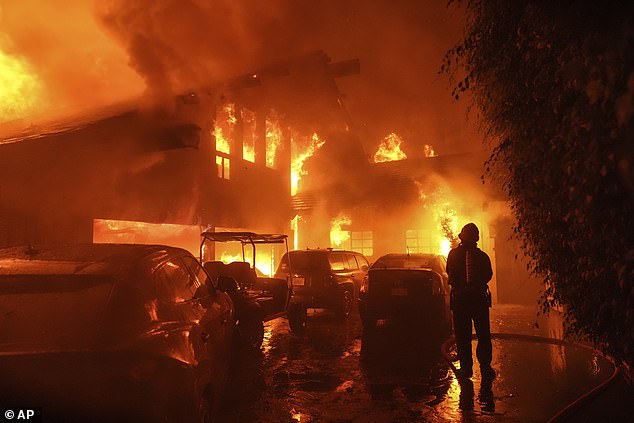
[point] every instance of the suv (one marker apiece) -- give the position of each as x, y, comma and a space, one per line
327, 279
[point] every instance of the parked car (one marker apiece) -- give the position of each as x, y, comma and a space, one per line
411, 287
112, 333
257, 299
326, 279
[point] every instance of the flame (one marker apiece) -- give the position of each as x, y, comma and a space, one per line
249, 135
299, 157
295, 229
20, 88
263, 262
337, 235
390, 149
223, 129
222, 143
273, 140
429, 151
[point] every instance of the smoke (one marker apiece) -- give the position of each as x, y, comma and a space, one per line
90, 53
179, 44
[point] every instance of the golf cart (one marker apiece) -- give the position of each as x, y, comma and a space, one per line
257, 299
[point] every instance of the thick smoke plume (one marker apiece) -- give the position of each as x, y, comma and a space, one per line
87, 54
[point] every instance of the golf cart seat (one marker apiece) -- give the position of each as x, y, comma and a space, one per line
242, 272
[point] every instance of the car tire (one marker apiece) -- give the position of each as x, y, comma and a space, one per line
345, 303
296, 314
251, 333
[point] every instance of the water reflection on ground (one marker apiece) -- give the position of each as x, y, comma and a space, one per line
336, 373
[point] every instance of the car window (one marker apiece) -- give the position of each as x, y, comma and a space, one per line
174, 283
352, 262
198, 271
338, 261
305, 261
363, 263
442, 262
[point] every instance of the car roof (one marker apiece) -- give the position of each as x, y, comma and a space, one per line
244, 237
87, 259
324, 250
425, 256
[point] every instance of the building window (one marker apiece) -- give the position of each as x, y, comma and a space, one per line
420, 241
362, 242
223, 167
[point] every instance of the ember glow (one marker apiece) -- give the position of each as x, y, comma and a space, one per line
429, 151
299, 156
390, 149
20, 88
338, 236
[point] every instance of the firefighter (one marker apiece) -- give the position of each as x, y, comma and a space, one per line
469, 270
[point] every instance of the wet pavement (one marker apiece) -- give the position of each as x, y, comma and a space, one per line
336, 373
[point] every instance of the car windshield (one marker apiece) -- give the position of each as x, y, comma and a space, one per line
51, 311
405, 262
305, 261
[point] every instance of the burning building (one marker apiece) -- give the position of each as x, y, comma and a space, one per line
389, 203
216, 157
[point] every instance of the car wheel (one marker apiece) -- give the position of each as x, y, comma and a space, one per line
251, 333
297, 318
345, 305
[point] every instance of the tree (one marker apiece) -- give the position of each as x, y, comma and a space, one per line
554, 84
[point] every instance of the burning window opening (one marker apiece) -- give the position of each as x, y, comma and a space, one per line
273, 139
390, 149
340, 238
108, 231
429, 151
361, 242
224, 127
223, 167
299, 155
423, 241
20, 88
249, 135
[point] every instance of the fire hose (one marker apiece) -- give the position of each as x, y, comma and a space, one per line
570, 408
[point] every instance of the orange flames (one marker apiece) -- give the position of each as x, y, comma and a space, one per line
249, 136
429, 151
273, 140
338, 236
224, 126
20, 88
390, 149
264, 260
298, 159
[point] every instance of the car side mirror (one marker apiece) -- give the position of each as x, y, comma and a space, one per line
227, 284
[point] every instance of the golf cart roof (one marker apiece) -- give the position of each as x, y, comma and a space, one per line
244, 237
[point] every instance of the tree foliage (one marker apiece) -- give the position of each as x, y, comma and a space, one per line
554, 84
